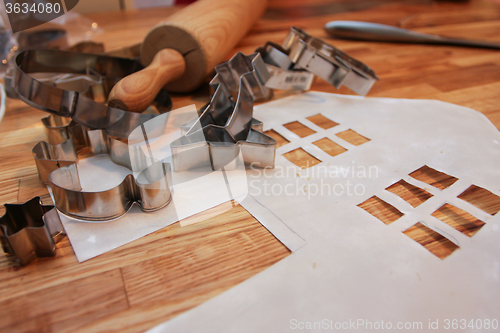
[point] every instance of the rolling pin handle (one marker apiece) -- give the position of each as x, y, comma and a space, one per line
136, 91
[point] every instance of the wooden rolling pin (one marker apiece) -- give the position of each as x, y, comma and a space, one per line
182, 50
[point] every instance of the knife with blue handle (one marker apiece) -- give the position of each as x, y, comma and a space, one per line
384, 33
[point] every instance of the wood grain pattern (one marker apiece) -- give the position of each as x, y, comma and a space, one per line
322, 121
329, 147
189, 268
280, 139
352, 137
30, 187
411, 194
216, 25
86, 299
458, 219
436, 243
468, 77
194, 40
482, 198
8, 192
298, 128
433, 177
301, 158
382, 210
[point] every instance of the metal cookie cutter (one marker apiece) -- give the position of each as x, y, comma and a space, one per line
49, 39
57, 166
225, 126
82, 108
66, 140
52, 38
304, 52
30, 230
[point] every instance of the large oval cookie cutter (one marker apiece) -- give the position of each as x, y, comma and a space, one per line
77, 105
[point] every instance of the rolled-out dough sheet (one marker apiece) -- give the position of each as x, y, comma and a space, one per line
353, 271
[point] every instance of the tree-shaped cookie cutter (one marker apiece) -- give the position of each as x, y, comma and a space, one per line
224, 128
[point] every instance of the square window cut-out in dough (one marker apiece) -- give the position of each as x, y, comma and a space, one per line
280, 139
409, 193
482, 199
329, 147
322, 121
301, 158
382, 210
299, 129
352, 137
434, 242
458, 219
433, 177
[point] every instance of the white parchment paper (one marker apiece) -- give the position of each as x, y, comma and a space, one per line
355, 273
192, 192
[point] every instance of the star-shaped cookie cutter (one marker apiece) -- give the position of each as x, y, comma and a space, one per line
224, 128
30, 230
300, 51
56, 164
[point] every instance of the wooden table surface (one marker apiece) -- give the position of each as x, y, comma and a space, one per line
148, 281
